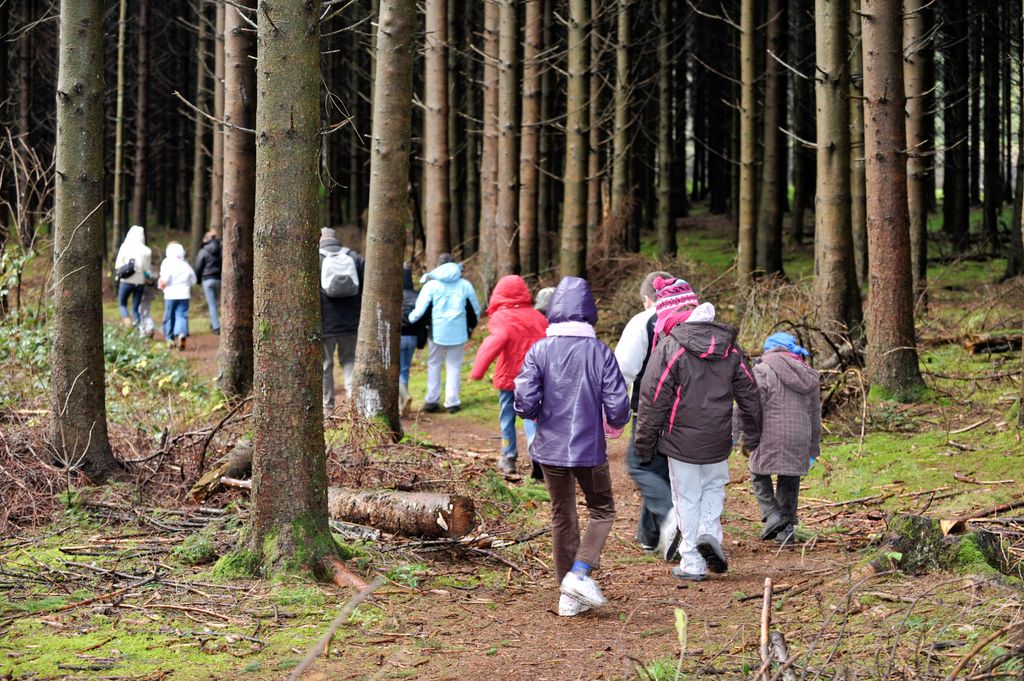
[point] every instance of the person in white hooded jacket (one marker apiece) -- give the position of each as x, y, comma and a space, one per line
133, 252
176, 279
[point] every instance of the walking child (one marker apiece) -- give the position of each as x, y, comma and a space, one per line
571, 386
695, 372
176, 279
514, 327
790, 436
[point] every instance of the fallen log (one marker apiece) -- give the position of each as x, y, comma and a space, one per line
412, 514
957, 525
992, 344
237, 464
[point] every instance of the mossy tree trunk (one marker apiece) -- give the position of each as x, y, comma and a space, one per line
436, 209
835, 285
891, 358
574, 207
376, 372
289, 529
506, 230
78, 415
235, 353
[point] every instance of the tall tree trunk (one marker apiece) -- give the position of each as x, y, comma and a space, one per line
198, 225
217, 149
471, 210
376, 373
544, 149
746, 259
622, 193
680, 197
117, 205
288, 526
664, 224
456, 138
594, 126
858, 195
1015, 255
138, 205
803, 117
235, 353
916, 48
891, 356
993, 201
505, 226
976, 18
574, 208
489, 150
774, 184
435, 131
24, 75
956, 164
835, 282
78, 415
529, 170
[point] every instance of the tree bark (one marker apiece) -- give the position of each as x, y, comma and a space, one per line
456, 132
594, 208
506, 228
622, 192
891, 356
664, 224
975, 40
435, 131
916, 49
774, 183
956, 170
138, 204
198, 224
803, 118
529, 163
574, 208
410, 514
489, 150
380, 321
835, 284
746, 259
235, 352
471, 209
545, 257
289, 529
78, 416
217, 150
993, 201
858, 196
117, 205
680, 198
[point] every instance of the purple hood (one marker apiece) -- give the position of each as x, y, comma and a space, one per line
571, 385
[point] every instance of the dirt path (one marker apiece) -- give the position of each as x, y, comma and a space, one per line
514, 631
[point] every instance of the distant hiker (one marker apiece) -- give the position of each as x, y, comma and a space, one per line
414, 337
450, 300
657, 527
543, 301
571, 386
514, 326
790, 436
341, 295
695, 372
133, 260
176, 279
208, 271
149, 291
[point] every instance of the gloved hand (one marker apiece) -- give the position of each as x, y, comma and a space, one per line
612, 432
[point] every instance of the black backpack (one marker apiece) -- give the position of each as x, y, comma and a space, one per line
126, 270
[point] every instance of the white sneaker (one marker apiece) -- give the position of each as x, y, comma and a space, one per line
669, 538
569, 606
583, 589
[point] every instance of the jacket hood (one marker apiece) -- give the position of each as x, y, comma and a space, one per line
176, 251
136, 235
511, 291
572, 302
707, 340
792, 372
407, 279
448, 272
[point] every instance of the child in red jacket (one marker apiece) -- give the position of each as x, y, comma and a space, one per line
514, 326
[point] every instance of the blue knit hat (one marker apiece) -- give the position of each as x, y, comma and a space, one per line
784, 341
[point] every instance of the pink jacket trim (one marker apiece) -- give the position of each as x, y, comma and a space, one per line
668, 368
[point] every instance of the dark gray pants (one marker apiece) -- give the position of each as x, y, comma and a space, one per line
653, 481
781, 499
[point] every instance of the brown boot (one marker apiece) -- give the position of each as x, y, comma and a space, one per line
181, 343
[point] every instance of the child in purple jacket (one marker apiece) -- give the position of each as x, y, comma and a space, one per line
570, 384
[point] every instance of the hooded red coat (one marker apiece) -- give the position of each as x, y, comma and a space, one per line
514, 326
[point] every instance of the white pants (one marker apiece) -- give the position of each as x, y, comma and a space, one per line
698, 494
451, 357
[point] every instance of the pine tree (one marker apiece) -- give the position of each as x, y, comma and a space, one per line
574, 212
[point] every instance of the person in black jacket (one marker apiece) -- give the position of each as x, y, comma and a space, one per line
207, 269
341, 322
414, 337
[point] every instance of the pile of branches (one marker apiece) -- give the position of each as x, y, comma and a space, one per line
29, 484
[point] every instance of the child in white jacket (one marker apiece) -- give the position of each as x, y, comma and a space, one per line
176, 278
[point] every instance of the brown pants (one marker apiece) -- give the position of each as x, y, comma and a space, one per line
596, 483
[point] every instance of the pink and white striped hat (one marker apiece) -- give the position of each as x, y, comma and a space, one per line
673, 293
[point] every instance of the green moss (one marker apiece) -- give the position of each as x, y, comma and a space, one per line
299, 595
237, 564
197, 549
970, 559
263, 328
408, 575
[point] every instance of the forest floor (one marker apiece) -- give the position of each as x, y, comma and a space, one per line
118, 582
